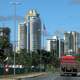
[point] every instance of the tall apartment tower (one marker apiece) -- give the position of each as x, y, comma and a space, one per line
22, 36
33, 22
71, 42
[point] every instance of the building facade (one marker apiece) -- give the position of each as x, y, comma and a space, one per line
33, 23
5, 40
55, 45
71, 42
4, 36
22, 36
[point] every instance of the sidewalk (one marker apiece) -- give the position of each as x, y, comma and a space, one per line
20, 76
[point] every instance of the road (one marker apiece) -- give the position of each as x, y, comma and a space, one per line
52, 76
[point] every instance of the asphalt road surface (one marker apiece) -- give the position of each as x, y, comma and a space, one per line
52, 76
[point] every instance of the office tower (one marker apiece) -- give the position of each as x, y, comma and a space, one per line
33, 22
22, 36
71, 42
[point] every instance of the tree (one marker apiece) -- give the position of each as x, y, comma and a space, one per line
22, 57
2, 56
35, 59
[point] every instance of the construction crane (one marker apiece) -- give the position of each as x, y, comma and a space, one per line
10, 18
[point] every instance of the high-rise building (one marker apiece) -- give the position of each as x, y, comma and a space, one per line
5, 40
55, 45
33, 22
4, 37
22, 36
71, 42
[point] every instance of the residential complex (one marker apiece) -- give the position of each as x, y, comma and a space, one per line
29, 37
71, 42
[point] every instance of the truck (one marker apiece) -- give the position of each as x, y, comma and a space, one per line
69, 64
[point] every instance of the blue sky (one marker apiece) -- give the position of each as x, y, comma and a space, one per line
57, 15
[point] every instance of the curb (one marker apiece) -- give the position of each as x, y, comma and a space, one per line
31, 76
19, 77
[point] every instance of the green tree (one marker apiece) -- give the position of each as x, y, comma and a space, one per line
35, 59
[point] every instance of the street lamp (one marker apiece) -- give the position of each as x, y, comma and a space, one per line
15, 4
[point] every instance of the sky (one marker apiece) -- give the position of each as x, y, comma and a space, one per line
57, 15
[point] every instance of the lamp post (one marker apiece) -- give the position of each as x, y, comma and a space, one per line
59, 47
15, 4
